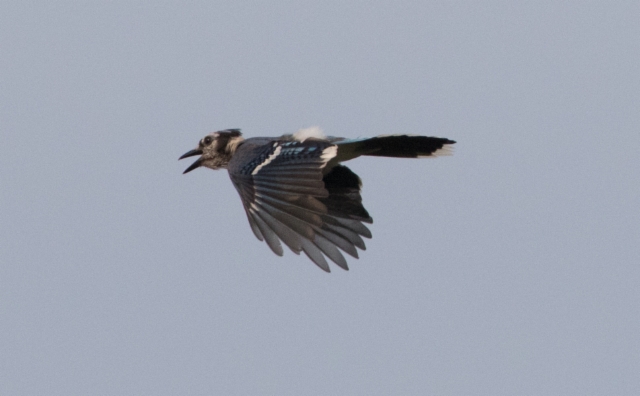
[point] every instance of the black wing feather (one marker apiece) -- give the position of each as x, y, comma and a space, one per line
287, 198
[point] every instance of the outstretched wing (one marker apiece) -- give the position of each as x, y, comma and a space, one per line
287, 198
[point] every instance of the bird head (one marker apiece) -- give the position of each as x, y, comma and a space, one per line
215, 149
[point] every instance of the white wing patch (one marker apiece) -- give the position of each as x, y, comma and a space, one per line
268, 160
329, 153
311, 132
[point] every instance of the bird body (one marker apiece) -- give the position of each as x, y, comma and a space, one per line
294, 188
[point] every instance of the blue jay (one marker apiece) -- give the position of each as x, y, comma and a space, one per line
294, 188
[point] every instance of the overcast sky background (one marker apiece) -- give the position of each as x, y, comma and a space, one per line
512, 267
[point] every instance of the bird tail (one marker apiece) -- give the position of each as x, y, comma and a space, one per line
397, 146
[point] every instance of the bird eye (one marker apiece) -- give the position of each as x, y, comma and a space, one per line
208, 140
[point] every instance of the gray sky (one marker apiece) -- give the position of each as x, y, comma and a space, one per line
512, 267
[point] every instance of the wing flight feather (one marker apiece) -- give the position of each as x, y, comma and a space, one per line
289, 199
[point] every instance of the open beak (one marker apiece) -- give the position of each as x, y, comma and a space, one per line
196, 164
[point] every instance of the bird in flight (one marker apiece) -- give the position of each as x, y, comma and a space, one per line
295, 189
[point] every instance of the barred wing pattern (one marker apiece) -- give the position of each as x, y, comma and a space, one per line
287, 198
